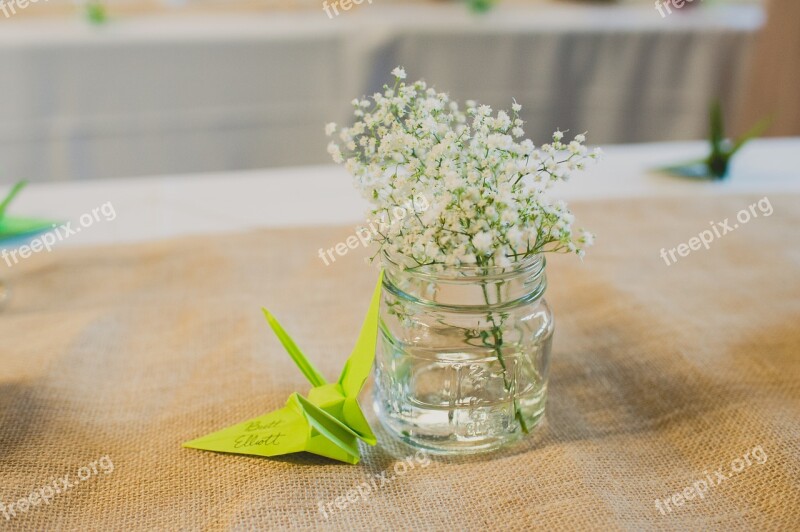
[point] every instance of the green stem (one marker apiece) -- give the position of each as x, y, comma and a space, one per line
497, 337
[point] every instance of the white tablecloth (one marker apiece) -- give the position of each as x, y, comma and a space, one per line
168, 94
151, 208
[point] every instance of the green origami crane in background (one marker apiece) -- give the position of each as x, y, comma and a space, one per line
329, 423
717, 164
19, 227
95, 12
10, 197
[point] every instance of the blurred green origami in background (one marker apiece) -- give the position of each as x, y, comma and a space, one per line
19, 227
717, 164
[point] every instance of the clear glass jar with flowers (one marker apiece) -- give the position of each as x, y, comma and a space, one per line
462, 360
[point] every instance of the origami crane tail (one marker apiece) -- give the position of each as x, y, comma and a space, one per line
359, 364
305, 365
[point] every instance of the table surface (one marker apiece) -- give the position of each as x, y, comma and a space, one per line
660, 376
660, 373
152, 208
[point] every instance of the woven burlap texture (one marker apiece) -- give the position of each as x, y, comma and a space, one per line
660, 375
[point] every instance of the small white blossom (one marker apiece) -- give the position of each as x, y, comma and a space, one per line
335, 152
330, 128
482, 242
575, 147
399, 72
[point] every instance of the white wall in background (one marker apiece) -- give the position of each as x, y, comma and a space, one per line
160, 95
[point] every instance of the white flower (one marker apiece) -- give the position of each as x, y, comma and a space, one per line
510, 217
503, 261
335, 152
516, 237
503, 121
516, 107
399, 72
586, 238
482, 242
575, 147
330, 128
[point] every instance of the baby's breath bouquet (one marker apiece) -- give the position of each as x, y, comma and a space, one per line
487, 207
485, 188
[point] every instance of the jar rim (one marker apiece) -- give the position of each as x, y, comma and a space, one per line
530, 265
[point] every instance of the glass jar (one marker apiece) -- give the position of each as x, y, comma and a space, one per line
462, 359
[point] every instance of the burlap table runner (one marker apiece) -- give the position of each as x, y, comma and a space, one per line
661, 375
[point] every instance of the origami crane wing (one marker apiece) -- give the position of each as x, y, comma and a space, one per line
359, 364
358, 367
330, 437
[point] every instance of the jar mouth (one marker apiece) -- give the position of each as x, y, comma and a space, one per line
470, 288
532, 265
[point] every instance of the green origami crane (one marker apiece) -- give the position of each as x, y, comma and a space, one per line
329, 423
19, 227
717, 164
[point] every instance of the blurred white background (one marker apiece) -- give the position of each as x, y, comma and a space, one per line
213, 85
